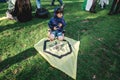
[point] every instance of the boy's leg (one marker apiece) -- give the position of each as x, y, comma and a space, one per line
61, 2
52, 35
60, 36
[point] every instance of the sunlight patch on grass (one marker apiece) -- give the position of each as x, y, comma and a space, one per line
72, 1
92, 17
3, 9
3, 18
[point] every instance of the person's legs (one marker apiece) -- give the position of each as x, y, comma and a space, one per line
117, 7
92, 9
101, 2
61, 2
52, 35
38, 3
52, 3
61, 38
11, 6
112, 7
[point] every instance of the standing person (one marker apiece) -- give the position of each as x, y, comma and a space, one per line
90, 5
11, 6
60, 1
92, 9
56, 25
103, 3
115, 8
23, 10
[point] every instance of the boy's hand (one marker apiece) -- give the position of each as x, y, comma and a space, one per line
60, 25
55, 28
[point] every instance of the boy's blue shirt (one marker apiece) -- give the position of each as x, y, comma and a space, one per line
54, 21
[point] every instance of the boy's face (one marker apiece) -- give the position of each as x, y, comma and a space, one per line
59, 15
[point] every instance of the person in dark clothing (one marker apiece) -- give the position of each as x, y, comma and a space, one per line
23, 10
60, 1
56, 25
115, 8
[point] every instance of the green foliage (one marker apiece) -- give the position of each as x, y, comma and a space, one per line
98, 33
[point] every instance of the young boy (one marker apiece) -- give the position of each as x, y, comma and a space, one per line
56, 25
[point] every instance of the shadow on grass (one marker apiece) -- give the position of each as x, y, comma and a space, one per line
18, 25
100, 47
42, 71
17, 58
3, 11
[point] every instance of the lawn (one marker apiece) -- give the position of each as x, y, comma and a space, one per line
99, 35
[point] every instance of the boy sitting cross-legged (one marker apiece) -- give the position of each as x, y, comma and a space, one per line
56, 25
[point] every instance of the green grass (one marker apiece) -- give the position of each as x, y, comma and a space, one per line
99, 52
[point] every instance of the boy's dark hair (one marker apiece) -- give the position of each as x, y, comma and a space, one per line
58, 10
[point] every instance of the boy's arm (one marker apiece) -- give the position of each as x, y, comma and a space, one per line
52, 23
63, 23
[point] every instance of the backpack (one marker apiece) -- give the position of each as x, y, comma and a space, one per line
42, 13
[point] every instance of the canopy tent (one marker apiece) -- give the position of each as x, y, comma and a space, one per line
60, 54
